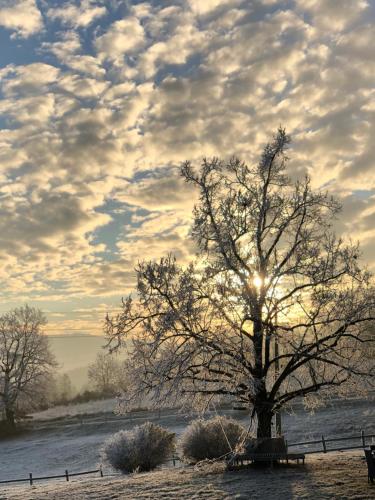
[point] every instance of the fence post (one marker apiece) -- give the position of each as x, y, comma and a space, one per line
324, 445
363, 437
67, 474
31, 478
101, 470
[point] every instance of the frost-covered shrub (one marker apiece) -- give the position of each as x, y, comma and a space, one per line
209, 438
142, 448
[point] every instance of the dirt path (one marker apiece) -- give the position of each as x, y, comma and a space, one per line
340, 475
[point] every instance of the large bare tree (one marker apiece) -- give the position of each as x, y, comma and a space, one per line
25, 359
273, 307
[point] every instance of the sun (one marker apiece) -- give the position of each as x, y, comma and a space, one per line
258, 282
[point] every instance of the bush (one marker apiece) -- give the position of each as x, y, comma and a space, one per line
206, 439
142, 448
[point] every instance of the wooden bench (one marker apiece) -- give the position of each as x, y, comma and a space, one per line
264, 450
240, 459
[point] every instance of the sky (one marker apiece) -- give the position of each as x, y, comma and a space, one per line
101, 101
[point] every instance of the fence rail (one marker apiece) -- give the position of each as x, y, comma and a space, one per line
67, 475
325, 441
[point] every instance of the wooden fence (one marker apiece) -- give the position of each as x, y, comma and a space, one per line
323, 444
67, 475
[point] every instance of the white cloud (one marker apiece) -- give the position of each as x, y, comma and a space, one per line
206, 6
21, 16
82, 87
329, 16
81, 15
68, 45
123, 37
119, 108
68, 50
184, 42
162, 192
28, 80
157, 234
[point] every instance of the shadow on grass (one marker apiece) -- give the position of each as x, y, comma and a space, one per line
8, 431
261, 481
322, 478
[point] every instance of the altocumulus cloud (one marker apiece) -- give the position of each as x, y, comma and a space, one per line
71, 14
107, 99
22, 17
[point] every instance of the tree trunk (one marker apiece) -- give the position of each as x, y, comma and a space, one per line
264, 429
264, 413
9, 415
8, 401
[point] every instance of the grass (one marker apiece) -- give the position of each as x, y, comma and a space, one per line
333, 476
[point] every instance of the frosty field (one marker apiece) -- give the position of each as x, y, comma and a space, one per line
70, 438
337, 476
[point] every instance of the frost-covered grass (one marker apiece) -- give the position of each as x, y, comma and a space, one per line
74, 443
71, 410
335, 476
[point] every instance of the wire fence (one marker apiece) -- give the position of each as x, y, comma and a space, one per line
67, 475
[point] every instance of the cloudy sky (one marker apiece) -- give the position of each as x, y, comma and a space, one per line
100, 101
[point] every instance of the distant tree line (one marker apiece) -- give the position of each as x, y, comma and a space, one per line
29, 380
106, 380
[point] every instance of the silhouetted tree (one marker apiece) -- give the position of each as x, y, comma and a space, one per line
273, 307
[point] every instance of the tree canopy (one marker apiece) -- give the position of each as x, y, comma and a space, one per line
273, 306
